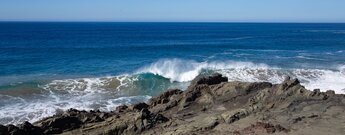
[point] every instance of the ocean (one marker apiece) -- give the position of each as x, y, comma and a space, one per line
48, 67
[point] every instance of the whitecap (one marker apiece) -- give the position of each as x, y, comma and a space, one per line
185, 70
34, 110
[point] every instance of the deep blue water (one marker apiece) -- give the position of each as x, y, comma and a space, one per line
151, 57
114, 48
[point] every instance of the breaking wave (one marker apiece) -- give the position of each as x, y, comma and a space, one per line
186, 70
105, 93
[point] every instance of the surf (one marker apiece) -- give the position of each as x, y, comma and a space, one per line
107, 92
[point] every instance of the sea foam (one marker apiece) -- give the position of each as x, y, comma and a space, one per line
105, 93
185, 70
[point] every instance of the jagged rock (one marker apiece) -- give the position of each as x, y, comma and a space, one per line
164, 97
200, 89
330, 92
60, 124
30, 129
13, 130
3, 130
138, 107
210, 105
209, 80
121, 108
264, 128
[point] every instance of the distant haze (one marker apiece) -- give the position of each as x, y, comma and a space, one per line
174, 10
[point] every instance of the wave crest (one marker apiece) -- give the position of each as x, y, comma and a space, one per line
105, 93
186, 70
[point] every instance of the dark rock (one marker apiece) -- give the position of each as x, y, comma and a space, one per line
210, 80
154, 119
29, 129
3, 130
145, 113
59, 124
121, 108
13, 130
138, 107
295, 120
316, 90
208, 106
164, 98
313, 116
258, 86
191, 94
200, 88
159, 118
286, 84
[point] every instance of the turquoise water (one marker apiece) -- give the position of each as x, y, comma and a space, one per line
47, 67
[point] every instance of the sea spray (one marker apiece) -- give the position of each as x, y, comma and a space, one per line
185, 70
105, 93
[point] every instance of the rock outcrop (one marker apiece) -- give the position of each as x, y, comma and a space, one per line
210, 105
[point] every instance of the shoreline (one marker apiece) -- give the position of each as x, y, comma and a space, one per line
210, 105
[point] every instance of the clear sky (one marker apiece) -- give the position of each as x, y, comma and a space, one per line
174, 10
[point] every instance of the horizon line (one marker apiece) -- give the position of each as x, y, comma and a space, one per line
57, 21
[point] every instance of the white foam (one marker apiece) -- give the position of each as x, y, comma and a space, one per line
90, 93
81, 84
125, 101
323, 80
80, 93
308, 58
186, 70
34, 110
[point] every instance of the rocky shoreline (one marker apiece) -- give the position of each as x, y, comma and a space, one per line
210, 105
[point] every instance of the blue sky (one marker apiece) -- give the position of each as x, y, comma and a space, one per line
174, 10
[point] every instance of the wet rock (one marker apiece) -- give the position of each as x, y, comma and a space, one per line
193, 94
121, 108
200, 89
150, 120
30, 129
145, 113
164, 97
3, 130
210, 80
286, 84
13, 130
138, 107
210, 105
60, 124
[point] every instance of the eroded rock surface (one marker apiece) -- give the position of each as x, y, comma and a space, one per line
210, 105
